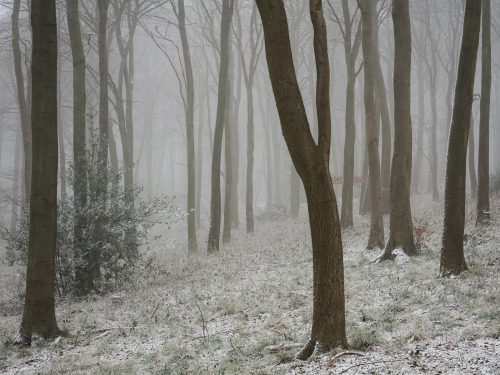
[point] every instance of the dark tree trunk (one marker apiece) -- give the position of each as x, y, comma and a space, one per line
420, 131
483, 169
452, 250
311, 161
79, 141
39, 316
294, 192
376, 223
401, 227
60, 134
215, 202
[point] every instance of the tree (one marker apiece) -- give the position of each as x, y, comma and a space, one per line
351, 49
376, 238
215, 202
39, 316
401, 228
22, 98
181, 16
79, 144
483, 190
452, 248
311, 160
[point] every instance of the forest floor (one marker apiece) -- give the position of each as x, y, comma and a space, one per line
247, 310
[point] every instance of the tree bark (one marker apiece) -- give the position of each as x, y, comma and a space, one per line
79, 144
401, 227
376, 238
452, 250
22, 99
191, 188
311, 161
215, 202
483, 169
39, 316
420, 131
472, 157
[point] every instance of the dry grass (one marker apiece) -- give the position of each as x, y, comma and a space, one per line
242, 311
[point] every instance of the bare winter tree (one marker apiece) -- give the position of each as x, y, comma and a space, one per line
452, 249
312, 163
39, 318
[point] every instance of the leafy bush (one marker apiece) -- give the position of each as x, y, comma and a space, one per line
273, 212
114, 231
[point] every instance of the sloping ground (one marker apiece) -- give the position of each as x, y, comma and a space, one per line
248, 309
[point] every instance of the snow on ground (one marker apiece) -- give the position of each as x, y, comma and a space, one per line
248, 309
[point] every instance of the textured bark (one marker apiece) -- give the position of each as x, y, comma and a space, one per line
39, 316
376, 238
452, 250
401, 227
215, 202
22, 99
483, 169
79, 141
191, 188
60, 134
311, 161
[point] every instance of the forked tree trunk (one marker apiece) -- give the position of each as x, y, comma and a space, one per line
24, 110
215, 202
401, 227
311, 161
191, 183
376, 238
79, 141
483, 169
39, 316
452, 249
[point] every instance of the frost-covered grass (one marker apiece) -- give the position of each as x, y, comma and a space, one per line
247, 309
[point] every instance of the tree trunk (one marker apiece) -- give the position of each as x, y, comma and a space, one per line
39, 316
228, 190
401, 227
79, 144
376, 223
294, 192
472, 156
24, 111
215, 202
60, 134
311, 161
199, 166
452, 250
483, 169
192, 242
15, 185
420, 131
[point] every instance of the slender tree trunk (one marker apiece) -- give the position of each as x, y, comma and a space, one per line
215, 203
228, 190
376, 223
60, 134
483, 169
452, 250
191, 199
364, 183
15, 185
420, 131
235, 150
311, 161
250, 157
39, 316
24, 110
199, 166
472, 156
401, 227
79, 145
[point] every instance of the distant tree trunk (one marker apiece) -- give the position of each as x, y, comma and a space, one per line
420, 131
199, 165
235, 149
39, 316
215, 203
228, 190
15, 184
385, 172
376, 223
24, 111
311, 161
401, 227
102, 6
483, 169
79, 144
472, 156
191, 198
452, 250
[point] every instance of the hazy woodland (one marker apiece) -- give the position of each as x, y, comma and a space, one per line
198, 186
